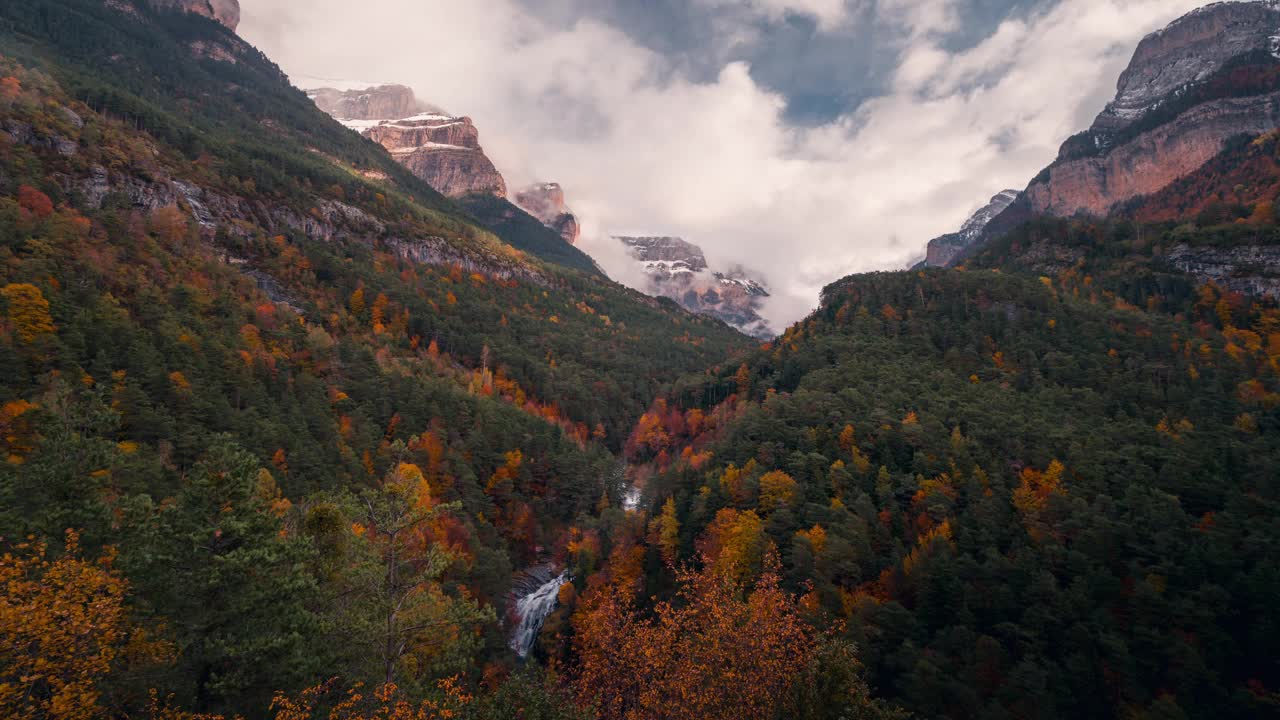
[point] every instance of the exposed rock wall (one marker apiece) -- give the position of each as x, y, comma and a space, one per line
1152, 160
452, 171
546, 202
383, 102
1132, 148
1188, 50
441, 149
946, 249
1250, 269
677, 269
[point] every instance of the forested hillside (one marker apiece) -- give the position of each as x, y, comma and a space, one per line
316, 417
1020, 496
284, 433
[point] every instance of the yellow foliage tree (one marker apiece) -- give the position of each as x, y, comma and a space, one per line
776, 489
735, 543
28, 311
1031, 497
666, 532
356, 302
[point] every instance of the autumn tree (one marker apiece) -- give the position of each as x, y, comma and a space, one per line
735, 543
1031, 497
719, 650
28, 311
776, 490
169, 224
665, 530
400, 610
34, 203
64, 628
356, 302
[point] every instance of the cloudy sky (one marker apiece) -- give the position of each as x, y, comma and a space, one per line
805, 139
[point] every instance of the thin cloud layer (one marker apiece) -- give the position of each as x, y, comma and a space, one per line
642, 148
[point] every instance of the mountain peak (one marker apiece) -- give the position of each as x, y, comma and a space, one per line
677, 269
1189, 50
945, 249
1207, 77
545, 201
442, 149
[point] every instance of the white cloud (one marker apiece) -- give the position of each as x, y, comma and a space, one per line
639, 147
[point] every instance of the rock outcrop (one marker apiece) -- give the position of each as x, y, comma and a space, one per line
441, 149
1249, 269
545, 201
678, 270
1152, 160
1206, 78
226, 12
1188, 50
383, 102
945, 249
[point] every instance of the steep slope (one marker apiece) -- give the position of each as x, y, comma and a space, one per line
249, 163
231, 329
945, 249
1209, 76
444, 151
677, 269
526, 232
983, 479
226, 12
1216, 225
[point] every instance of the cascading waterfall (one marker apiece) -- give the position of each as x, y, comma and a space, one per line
532, 609
535, 592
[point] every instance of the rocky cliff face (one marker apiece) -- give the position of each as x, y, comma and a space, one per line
945, 249
1206, 78
1152, 160
677, 269
226, 12
441, 149
545, 201
384, 102
1249, 269
1189, 50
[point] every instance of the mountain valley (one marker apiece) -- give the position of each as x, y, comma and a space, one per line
306, 413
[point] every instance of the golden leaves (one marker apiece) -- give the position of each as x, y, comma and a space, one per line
63, 627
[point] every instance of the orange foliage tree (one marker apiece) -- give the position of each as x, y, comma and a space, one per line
63, 628
720, 650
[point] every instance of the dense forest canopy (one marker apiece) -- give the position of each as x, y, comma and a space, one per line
280, 426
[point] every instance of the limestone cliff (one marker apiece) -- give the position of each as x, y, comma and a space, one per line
441, 149
1208, 77
383, 102
546, 202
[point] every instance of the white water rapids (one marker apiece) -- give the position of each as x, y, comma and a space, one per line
532, 609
